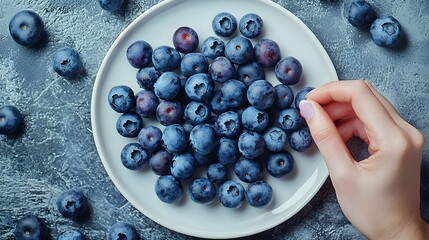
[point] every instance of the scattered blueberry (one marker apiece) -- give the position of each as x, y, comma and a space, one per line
197, 113
251, 144
167, 86
261, 94
239, 50
301, 140
203, 138
166, 58
123, 230
267, 52
289, 119
26, 28
10, 119
121, 98
160, 162
168, 189
111, 5
183, 166
71, 235
251, 25
360, 13
301, 95
202, 190
146, 103
254, 119
284, 96
233, 93
67, 62
193, 63
250, 72
279, 164
275, 139
386, 31
199, 87
134, 157
174, 138
217, 172
221, 69
229, 124
231, 194
146, 77
129, 125
224, 24
185, 39
259, 194
139, 54
73, 204
213, 47
30, 227
288, 70
169, 112
227, 151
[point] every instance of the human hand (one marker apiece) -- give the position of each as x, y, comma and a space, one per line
379, 195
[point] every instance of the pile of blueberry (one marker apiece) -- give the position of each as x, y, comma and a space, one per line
217, 110
386, 31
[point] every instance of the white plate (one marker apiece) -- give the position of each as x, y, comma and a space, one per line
156, 26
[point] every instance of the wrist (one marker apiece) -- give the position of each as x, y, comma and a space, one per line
416, 231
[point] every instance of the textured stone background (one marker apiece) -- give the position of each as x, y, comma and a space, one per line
55, 150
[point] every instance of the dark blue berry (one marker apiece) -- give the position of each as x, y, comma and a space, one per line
229, 124
261, 94
183, 166
168, 189
212, 47
227, 151
193, 63
185, 39
251, 25
30, 227
202, 190
72, 204
167, 86
26, 28
10, 119
360, 14
279, 164
67, 62
121, 98
199, 87
250, 72
239, 50
248, 170
123, 230
251, 144
275, 139
288, 70
216, 103
111, 5
224, 24
289, 119
267, 52
259, 194
197, 113
174, 138
129, 125
169, 112
146, 77
139, 54
386, 32
160, 162
221, 69
254, 119
165, 58
301, 140
301, 95
134, 157
146, 103
284, 96
233, 93
231, 194
203, 138
217, 173
71, 235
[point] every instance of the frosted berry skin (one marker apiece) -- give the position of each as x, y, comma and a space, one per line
139, 54
289, 119
239, 50
193, 63
301, 95
275, 139
386, 32
284, 96
160, 162
30, 227
251, 144
217, 173
259, 194
203, 138
71, 235
72, 204
197, 112
216, 103
224, 24
123, 230
202, 190
301, 139
166, 58
10, 119
199, 87
213, 47
254, 119
27, 29
261, 94
227, 151
231, 194
169, 112
121, 98
250, 72
146, 103
233, 93
129, 125
183, 166
67, 62
150, 138
248, 170
134, 157
229, 124
167, 86
360, 13
111, 5
288, 71
146, 77
279, 164
185, 40
168, 189
174, 138
251, 25
221, 69
267, 52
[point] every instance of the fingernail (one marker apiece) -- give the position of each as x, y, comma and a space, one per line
306, 109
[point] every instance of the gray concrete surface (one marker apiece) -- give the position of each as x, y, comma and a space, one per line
56, 150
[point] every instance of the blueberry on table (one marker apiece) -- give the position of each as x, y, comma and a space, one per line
289, 119
111, 5
27, 28
169, 112
248, 170
234, 93
251, 25
360, 13
71, 235
231, 194
72, 204
150, 138
10, 119
229, 124
239, 50
121, 98
185, 40
67, 62
199, 87
275, 139
227, 151
279, 164
254, 119
123, 230
193, 63
284, 96
197, 113
201, 190
221, 69
134, 157
139, 54
259, 194
203, 138
146, 77
167, 86
261, 94
166, 58
288, 71
217, 172
146, 103
183, 166
267, 52
129, 125
251, 144
386, 31
30, 227
212, 47
160, 162
174, 138
301, 139
224, 24
168, 189
301, 95
250, 72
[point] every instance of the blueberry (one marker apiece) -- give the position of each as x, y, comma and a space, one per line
217, 172
212, 47
134, 157
233, 93
166, 58
160, 162
251, 144
150, 138
360, 13
167, 86
386, 31
26, 28
289, 119
267, 52
251, 25
129, 125
301, 140
288, 70
123, 230
279, 164
248, 170
216, 103
169, 112
146, 103
275, 139
10, 119
72, 204
239, 50
111, 5
224, 24
202, 159
183, 166
221, 69
202, 190
227, 151
168, 189
254, 119
139, 54
30, 227
71, 235
203, 138
197, 112
174, 138
185, 39
121, 98
229, 124
284, 96
261, 94
193, 63
250, 72
67, 63
231, 194
301, 95
146, 77
259, 194
199, 87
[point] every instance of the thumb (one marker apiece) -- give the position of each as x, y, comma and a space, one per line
327, 138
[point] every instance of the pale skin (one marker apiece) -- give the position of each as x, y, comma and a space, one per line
379, 195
